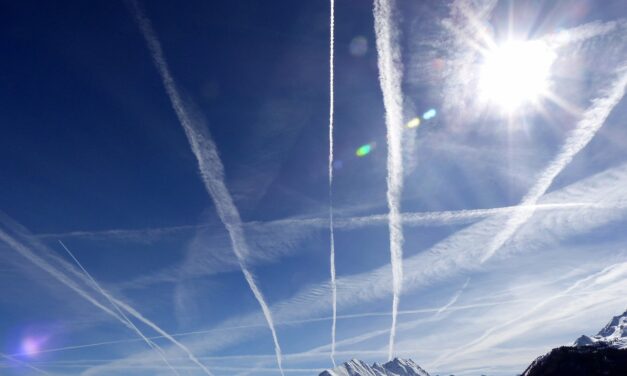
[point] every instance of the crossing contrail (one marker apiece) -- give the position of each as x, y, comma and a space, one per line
129, 323
331, 231
209, 165
435, 218
27, 253
390, 74
24, 364
586, 128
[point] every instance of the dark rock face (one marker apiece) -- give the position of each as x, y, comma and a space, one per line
580, 361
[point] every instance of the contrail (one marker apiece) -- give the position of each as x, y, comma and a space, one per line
210, 167
44, 265
331, 231
17, 361
27, 253
435, 218
584, 32
458, 253
472, 345
129, 323
453, 299
592, 121
290, 322
390, 74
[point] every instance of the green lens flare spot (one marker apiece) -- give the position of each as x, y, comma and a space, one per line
363, 150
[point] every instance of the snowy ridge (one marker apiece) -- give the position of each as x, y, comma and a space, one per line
396, 367
614, 334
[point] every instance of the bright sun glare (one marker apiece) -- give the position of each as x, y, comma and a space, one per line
516, 73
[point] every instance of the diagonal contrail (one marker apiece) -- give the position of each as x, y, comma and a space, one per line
27, 253
129, 323
453, 299
390, 74
331, 231
586, 128
505, 326
209, 165
458, 253
24, 364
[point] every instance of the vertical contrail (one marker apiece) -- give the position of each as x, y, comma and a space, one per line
390, 75
209, 165
129, 323
27, 253
331, 231
586, 128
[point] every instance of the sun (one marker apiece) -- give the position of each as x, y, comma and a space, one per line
516, 73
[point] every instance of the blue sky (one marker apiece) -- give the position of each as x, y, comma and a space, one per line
111, 118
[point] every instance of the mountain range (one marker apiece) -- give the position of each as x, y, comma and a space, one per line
395, 367
602, 354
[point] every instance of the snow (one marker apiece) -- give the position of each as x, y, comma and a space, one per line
396, 367
614, 334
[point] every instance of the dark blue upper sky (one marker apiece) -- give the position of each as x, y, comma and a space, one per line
93, 154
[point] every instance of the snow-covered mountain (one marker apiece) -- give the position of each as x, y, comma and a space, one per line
602, 354
614, 334
396, 367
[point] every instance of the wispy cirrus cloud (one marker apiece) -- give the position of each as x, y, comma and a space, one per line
16, 237
124, 317
592, 120
459, 253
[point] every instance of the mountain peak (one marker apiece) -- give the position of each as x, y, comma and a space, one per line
395, 367
614, 334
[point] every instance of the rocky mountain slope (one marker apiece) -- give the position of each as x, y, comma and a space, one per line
602, 354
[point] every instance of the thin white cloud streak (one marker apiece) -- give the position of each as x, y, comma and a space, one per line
209, 165
189, 368
615, 274
145, 235
436, 316
461, 250
390, 79
584, 32
164, 334
593, 119
331, 230
412, 219
322, 351
110, 299
11, 359
456, 254
27, 253
454, 298
282, 323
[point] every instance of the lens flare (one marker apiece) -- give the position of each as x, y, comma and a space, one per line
32, 345
413, 123
516, 73
364, 150
429, 114
358, 46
